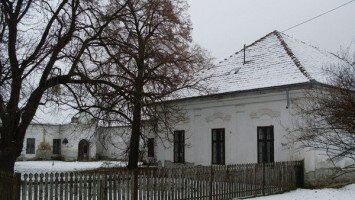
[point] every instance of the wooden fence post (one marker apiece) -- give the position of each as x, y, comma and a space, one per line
104, 191
263, 182
301, 174
211, 182
17, 186
135, 185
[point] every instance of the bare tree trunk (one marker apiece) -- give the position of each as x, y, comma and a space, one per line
11, 143
7, 163
9, 151
137, 121
8, 155
135, 135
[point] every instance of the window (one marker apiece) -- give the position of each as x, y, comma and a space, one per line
65, 141
179, 146
150, 147
265, 144
218, 146
56, 146
30, 146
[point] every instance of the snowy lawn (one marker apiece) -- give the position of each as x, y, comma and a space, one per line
61, 166
345, 193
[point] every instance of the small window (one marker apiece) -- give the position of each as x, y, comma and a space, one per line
218, 146
56, 146
150, 147
179, 146
30, 145
65, 141
265, 144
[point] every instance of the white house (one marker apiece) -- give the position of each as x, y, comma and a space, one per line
246, 119
59, 141
66, 135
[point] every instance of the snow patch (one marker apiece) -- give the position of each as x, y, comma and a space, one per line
345, 193
61, 166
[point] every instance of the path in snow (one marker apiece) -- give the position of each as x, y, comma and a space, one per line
345, 193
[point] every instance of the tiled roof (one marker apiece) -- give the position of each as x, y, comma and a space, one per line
274, 60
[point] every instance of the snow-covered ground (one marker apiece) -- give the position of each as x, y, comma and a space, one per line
345, 193
61, 166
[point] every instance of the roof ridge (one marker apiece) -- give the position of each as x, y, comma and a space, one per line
247, 46
322, 50
292, 55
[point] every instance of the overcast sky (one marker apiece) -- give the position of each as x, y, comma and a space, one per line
223, 26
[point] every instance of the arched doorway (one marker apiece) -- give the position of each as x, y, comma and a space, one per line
83, 150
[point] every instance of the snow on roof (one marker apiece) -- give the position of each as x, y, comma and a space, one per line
274, 60
314, 60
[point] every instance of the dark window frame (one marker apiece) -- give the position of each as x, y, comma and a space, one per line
179, 146
266, 140
57, 148
30, 145
151, 145
220, 146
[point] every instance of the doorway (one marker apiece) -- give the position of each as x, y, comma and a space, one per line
83, 150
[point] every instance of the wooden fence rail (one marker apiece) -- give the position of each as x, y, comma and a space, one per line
184, 183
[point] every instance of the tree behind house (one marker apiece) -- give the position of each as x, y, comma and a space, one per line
44, 44
152, 59
328, 116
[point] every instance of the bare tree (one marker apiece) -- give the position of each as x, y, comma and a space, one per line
328, 115
151, 59
44, 45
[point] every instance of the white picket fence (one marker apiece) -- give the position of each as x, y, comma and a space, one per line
203, 183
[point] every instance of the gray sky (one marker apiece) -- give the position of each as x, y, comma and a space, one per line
224, 26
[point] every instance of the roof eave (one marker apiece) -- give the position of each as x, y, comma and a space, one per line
233, 93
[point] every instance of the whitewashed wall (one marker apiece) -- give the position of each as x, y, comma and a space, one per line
72, 132
39, 131
75, 133
112, 142
240, 115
